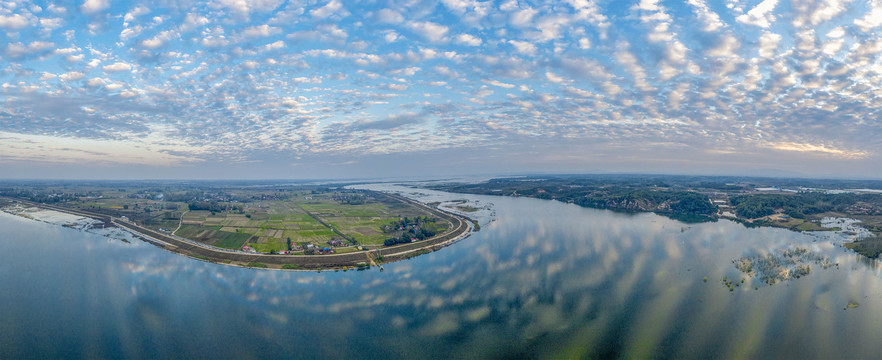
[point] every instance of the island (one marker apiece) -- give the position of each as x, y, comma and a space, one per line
291, 227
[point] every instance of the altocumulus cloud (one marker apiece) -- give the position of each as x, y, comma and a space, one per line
640, 82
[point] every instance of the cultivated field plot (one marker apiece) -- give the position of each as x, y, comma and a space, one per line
266, 218
304, 217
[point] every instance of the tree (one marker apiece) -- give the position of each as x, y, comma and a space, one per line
289, 244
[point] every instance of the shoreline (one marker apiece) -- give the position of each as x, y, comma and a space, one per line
460, 228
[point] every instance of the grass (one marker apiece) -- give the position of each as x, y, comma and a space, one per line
467, 208
870, 247
229, 240
271, 245
812, 226
256, 265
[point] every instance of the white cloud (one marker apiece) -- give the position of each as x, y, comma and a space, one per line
159, 40
584, 44
71, 76
390, 36
96, 82
193, 21
94, 6
261, 30
556, 79
329, 9
579, 92
708, 17
446, 71
648, 5
244, 8
406, 71
589, 11
134, 13
429, 30
332, 30
522, 18
676, 52
523, 47
585, 67
499, 83
13, 22
214, 41
550, 27
389, 16
818, 149
816, 13
274, 46
761, 15
726, 47
627, 60
768, 44
467, 39
36, 48
56, 9
871, 19
306, 80
832, 47
836, 33
117, 67
51, 23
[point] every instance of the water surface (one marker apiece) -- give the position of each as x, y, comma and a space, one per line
543, 279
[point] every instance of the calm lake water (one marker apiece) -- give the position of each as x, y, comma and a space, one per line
544, 279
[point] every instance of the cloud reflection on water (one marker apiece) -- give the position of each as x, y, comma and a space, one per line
544, 279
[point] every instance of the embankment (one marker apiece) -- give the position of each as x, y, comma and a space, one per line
459, 227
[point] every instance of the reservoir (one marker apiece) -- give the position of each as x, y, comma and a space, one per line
540, 279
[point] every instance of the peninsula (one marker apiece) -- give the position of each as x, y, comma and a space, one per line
291, 227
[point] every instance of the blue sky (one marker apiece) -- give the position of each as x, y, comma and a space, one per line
334, 89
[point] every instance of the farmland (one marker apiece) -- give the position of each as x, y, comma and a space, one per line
304, 217
267, 219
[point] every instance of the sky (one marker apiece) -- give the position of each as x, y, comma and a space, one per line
273, 89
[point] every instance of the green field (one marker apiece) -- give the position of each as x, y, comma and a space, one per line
305, 217
264, 218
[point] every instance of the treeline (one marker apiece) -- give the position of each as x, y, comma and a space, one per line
408, 236
212, 206
41, 197
419, 228
662, 201
802, 204
351, 199
616, 194
184, 196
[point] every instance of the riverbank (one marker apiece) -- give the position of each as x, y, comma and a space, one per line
459, 228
